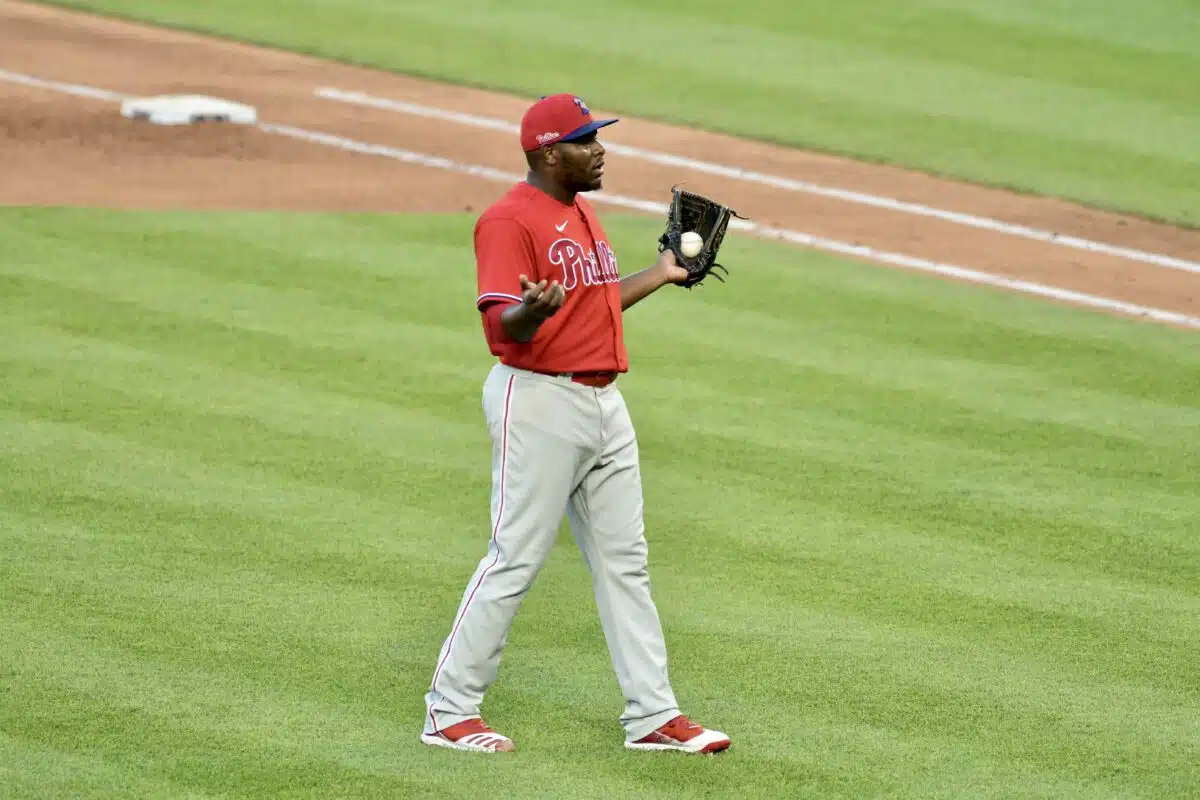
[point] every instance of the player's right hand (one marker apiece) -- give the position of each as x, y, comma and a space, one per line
543, 301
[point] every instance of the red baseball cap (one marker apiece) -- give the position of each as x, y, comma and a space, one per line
557, 118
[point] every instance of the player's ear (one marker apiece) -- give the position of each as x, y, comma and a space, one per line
543, 156
550, 155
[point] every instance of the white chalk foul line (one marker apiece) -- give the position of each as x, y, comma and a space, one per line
652, 207
778, 182
65, 88
794, 237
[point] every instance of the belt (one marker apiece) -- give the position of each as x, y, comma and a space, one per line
597, 379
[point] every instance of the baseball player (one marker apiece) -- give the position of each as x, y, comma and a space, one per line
551, 300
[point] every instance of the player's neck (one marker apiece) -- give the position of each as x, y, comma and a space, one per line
562, 195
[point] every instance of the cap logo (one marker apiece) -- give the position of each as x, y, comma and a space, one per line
583, 109
542, 138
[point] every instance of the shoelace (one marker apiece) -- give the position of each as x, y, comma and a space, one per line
681, 725
478, 726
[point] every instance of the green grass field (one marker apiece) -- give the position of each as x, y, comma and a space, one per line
909, 538
1093, 100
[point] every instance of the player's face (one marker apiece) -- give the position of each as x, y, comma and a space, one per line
581, 163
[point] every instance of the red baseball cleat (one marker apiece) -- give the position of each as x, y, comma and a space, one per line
684, 735
471, 735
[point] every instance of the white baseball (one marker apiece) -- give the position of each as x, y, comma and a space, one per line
690, 244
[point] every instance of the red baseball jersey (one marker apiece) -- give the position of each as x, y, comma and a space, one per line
528, 232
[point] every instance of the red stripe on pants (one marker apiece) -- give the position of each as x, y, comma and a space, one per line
495, 533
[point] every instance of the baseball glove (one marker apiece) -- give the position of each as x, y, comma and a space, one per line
694, 212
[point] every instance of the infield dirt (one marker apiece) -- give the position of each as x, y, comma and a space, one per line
57, 149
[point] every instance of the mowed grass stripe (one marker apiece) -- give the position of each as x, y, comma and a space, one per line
903, 448
205, 434
236, 286
220, 733
307, 323
244, 711
241, 497
291, 447
74, 469
889, 454
33, 770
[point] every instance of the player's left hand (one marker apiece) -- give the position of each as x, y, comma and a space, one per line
669, 266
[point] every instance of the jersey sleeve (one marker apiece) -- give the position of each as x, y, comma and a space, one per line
503, 251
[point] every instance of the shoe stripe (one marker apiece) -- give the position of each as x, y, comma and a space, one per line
508, 391
482, 741
692, 737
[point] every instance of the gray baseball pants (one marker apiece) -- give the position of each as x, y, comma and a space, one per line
558, 446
